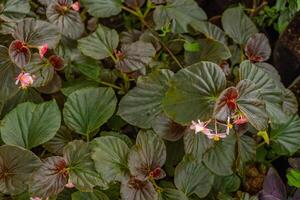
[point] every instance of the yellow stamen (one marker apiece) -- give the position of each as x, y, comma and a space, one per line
230, 126
216, 138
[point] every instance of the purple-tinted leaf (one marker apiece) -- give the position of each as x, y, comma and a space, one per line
159, 1
135, 189
296, 195
51, 178
135, 3
167, 129
131, 36
295, 163
57, 62
19, 53
147, 156
135, 56
226, 103
258, 48
53, 86
273, 187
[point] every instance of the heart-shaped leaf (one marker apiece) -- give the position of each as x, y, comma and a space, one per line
199, 84
50, 178
178, 14
30, 125
14, 9
135, 56
210, 50
192, 177
147, 156
67, 20
17, 165
8, 73
87, 66
167, 129
36, 33
238, 25
141, 105
101, 43
258, 48
285, 136
172, 194
88, 109
110, 156
19, 53
103, 8
95, 195
135, 189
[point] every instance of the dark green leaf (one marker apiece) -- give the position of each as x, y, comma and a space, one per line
103, 8
172, 194
14, 9
30, 125
88, 109
87, 66
141, 105
95, 195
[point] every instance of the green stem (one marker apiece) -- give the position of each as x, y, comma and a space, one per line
130, 11
87, 137
260, 144
110, 85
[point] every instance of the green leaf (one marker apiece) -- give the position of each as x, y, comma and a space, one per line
192, 177
210, 31
191, 46
293, 177
88, 109
59, 141
36, 33
247, 148
67, 21
95, 195
285, 137
8, 73
41, 69
121, 136
72, 86
135, 56
148, 154
110, 156
81, 167
101, 43
134, 189
172, 194
226, 184
30, 125
210, 50
87, 66
103, 8
179, 13
290, 103
14, 9
238, 25
199, 84
50, 178
17, 165
141, 105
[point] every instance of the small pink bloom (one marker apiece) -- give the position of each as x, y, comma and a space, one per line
43, 50
199, 127
240, 120
37, 198
69, 185
76, 6
25, 79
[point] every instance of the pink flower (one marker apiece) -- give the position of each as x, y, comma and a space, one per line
241, 119
200, 127
76, 6
37, 198
43, 50
25, 79
69, 184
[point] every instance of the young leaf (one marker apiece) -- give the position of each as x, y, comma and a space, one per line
141, 105
19, 53
135, 56
180, 13
81, 167
88, 109
167, 129
67, 20
238, 25
36, 33
199, 84
293, 177
135, 189
50, 178
17, 165
14, 9
30, 125
101, 43
147, 156
192, 177
103, 8
284, 136
110, 156
8, 73
258, 48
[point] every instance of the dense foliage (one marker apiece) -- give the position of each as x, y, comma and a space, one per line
140, 100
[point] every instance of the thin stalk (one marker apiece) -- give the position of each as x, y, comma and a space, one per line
260, 144
110, 85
